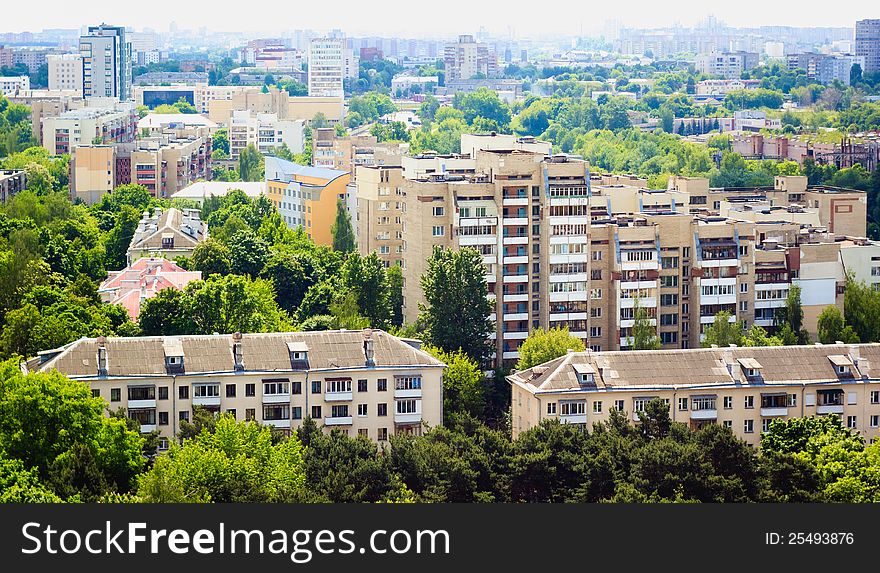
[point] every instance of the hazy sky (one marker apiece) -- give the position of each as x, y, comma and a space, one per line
425, 18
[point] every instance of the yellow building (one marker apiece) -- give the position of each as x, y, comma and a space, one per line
307, 196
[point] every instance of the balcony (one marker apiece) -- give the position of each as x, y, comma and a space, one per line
573, 419
517, 297
518, 221
408, 393
206, 401
515, 201
277, 423
338, 396
138, 404
471, 240
413, 418
524, 278
516, 260
523, 240
515, 335
706, 263
510, 355
704, 414
647, 302
337, 421
830, 409
516, 316
632, 285
774, 412
276, 398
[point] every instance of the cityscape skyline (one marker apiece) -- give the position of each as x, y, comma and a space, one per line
599, 20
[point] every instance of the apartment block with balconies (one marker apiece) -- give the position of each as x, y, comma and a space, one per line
360, 382
745, 389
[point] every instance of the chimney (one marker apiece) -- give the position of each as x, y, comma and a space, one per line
102, 355
237, 354
368, 348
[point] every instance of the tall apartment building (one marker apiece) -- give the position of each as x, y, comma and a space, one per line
12, 181
868, 44
46, 103
274, 101
327, 67
264, 131
13, 85
307, 196
349, 152
106, 56
466, 58
728, 65
744, 389
65, 72
112, 123
365, 383
825, 68
563, 247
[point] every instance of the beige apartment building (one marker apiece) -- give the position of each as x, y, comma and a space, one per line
278, 102
365, 383
350, 152
167, 233
744, 389
46, 103
563, 247
65, 72
111, 123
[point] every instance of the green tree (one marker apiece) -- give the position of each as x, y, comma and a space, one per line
456, 313
250, 164
723, 333
394, 274
462, 383
220, 140
236, 462
344, 240
644, 334
544, 345
211, 257
119, 238
366, 279
248, 253
831, 327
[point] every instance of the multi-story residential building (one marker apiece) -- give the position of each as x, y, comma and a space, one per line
728, 65
467, 58
365, 383
867, 44
33, 58
45, 103
307, 196
825, 68
724, 87
861, 258
12, 181
275, 101
13, 85
154, 124
65, 72
349, 152
106, 57
201, 190
143, 279
744, 389
380, 209
264, 131
105, 123
167, 233
6, 58
407, 82
327, 68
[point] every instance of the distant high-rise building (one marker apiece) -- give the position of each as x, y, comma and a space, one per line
327, 67
65, 72
467, 58
106, 56
868, 44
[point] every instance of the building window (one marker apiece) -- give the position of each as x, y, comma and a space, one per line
230, 390
316, 412
316, 386
163, 418
595, 331
183, 392
743, 306
250, 390
362, 410
727, 424
363, 432
334, 386
96, 393
383, 434
875, 396
851, 422
551, 408
597, 407
749, 427
728, 402
438, 230
743, 287
163, 444
749, 402
596, 255
682, 404
792, 400
437, 211
618, 405
296, 413
875, 421
163, 392
382, 410
250, 414
765, 424
382, 384
184, 416
362, 385
296, 388
115, 394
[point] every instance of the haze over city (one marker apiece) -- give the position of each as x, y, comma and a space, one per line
406, 19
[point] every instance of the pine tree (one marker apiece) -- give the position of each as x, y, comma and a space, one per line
342, 231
